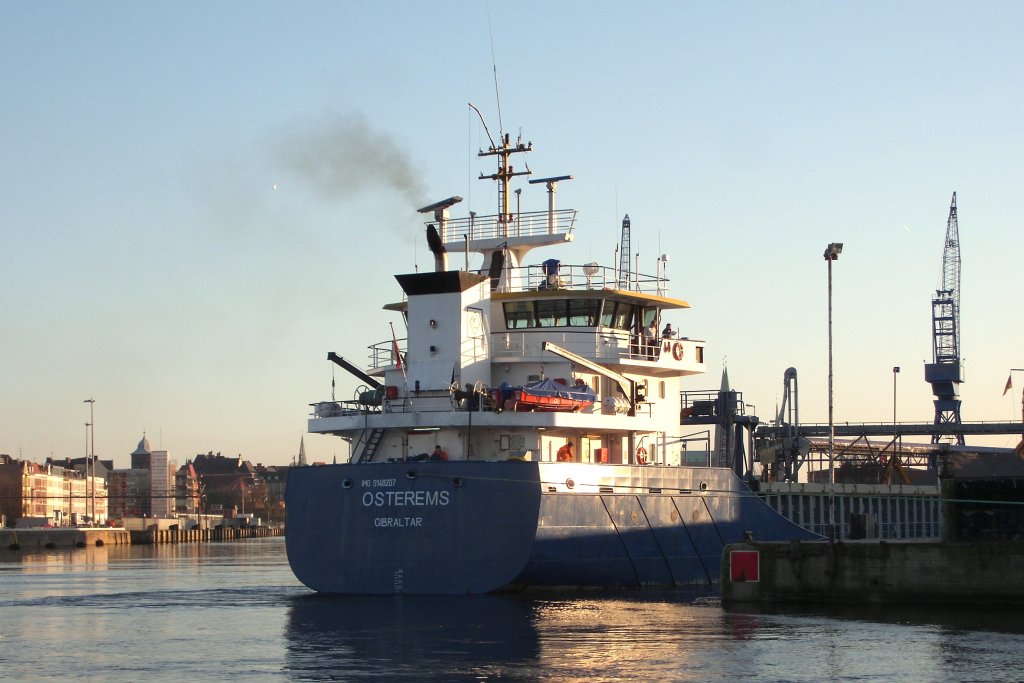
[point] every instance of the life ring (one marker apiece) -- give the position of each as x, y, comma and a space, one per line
677, 351
641, 455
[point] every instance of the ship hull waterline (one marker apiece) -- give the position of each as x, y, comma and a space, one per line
465, 527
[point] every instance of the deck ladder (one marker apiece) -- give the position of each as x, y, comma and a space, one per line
373, 439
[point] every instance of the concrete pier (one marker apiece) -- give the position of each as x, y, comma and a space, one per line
196, 535
872, 571
34, 539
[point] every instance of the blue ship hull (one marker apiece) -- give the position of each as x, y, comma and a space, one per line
477, 527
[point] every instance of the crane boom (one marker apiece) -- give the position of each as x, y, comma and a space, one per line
946, 305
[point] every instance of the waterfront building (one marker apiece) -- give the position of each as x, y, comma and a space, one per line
161, 484
230, 483
147, 489
188, 492
275, 478
49, 494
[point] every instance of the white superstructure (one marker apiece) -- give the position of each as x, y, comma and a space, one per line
508, 324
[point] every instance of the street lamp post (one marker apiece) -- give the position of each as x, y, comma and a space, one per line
90, 458
832, 252
895, 371
87, 425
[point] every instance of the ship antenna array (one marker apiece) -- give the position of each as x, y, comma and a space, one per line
494, 67
503, 149
484, 123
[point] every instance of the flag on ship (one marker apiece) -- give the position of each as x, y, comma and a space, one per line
396, 353
1009, 384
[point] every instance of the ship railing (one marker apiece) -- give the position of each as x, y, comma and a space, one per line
382, 354
554, 276
712, 403
578, 277
608, 346
529, 224
334, 408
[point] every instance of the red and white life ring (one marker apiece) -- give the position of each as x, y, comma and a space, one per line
641, 455
677, 350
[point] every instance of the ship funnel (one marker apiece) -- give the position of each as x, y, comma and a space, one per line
436, 237
437, 249
497, 265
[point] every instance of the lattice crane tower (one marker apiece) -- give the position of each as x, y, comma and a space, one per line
946, 371
624, 256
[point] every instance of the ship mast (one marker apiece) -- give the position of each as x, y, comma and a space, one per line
506, 172
504, 176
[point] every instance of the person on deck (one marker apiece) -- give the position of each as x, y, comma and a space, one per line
668, 332
438, 453
651, 340
565, 453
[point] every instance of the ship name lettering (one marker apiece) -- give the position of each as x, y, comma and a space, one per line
397, 521
405, 498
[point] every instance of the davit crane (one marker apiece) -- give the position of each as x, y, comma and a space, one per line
946, 372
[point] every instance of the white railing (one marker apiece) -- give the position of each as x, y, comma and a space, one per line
530, 224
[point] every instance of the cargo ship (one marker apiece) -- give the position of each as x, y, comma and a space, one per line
524, 431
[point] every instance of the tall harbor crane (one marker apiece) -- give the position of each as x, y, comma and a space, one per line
946, 372
625, 274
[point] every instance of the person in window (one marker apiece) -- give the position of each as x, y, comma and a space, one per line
651, 339
438, 453
565, 453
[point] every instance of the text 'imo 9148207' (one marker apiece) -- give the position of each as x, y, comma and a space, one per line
460, 479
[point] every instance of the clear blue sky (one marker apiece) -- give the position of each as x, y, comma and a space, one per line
148, 261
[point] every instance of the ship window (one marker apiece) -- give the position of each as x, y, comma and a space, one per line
607, 313
519, 315
623, 316
583, 312
552, 313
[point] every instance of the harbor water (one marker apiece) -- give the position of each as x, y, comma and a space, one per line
214, 611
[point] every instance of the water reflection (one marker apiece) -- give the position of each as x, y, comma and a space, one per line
953, 618
61, 559
341, 638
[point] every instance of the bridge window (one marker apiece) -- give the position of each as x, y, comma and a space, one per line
583, 312
551, 313
519, 315
617, 314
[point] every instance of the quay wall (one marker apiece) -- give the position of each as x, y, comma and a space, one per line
893, 512
31, 539
196, 535
874, 572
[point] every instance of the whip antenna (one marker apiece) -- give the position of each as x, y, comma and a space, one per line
494, 65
